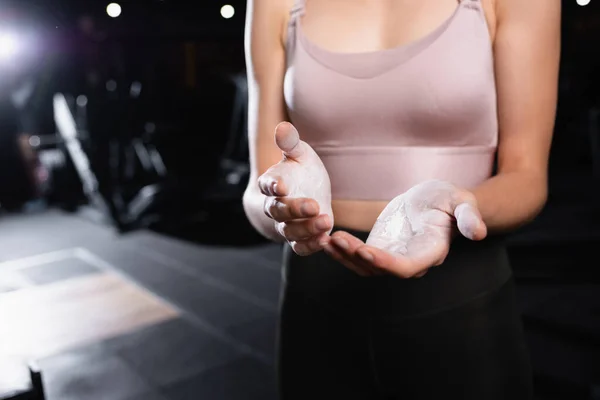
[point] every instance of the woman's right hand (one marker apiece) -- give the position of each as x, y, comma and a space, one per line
298, 193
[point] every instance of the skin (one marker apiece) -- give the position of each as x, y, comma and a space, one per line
300, 174
526, 43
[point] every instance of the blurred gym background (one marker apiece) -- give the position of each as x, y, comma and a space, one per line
127, 267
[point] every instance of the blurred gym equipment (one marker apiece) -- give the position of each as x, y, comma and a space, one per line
71, 140
140, 164
16, 184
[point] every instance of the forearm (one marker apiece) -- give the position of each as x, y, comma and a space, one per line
254, 207
510, 200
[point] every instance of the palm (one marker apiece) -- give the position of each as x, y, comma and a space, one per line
301, 173
414, 231
304, 178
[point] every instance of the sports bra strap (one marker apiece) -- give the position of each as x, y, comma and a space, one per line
295, 13
472, 4
297, 9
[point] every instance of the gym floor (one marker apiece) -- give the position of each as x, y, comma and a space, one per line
140, 316
147, 316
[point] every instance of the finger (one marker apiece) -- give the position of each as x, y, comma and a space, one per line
347, 244
269, 184
383, 260
351, 241
280, 189
303, 229
283, 209
421, 274
421, 255
323, 239
395, 264
310, 246
339, 257
305, 247
469, 221
288, 140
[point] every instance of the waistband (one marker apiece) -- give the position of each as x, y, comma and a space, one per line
471, 269
385, 172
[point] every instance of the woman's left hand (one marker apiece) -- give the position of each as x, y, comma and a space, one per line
413, 233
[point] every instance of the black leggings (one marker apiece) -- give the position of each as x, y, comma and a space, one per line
455, 333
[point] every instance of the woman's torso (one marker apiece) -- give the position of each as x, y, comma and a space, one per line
365, 32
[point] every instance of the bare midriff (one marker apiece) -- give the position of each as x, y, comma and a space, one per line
357, 215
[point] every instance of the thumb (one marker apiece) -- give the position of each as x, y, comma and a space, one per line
288, 140
469, 221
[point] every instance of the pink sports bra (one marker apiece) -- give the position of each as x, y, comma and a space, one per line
383, 121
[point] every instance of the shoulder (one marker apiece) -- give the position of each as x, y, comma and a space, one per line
530, 14
268, 14
546, 12
265, 22
274, 12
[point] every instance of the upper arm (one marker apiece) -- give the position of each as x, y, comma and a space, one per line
526, 53
265, 65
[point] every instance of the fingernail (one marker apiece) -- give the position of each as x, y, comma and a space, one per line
307, 208
275, 188
322, 223
365, 255
341, 243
